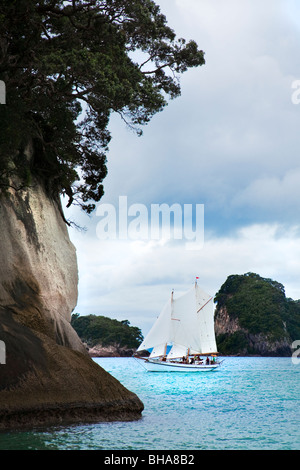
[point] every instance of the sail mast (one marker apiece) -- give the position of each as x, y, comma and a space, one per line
165, 351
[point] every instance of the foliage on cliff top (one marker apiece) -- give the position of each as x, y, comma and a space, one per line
58, 57
260, 305
96, 329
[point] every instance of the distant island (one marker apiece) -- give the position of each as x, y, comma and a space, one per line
254, 317
104, 336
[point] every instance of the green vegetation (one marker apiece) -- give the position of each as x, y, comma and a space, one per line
232, 344
61, 57
261, 307
96, 329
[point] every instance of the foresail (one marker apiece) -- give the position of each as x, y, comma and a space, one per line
159, 350
176, 351
160, 331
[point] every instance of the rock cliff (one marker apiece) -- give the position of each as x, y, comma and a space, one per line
48, 376
235, 340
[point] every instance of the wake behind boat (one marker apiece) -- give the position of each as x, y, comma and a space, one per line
182, 334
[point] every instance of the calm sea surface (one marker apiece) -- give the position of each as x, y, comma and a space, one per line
249, 403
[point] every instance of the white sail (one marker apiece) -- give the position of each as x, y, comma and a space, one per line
159, 335
185, 324
177, 351
159, 350
206, 328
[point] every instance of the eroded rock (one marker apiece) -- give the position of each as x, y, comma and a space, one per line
48, 376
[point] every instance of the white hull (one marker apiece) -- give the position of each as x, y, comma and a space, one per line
156, 365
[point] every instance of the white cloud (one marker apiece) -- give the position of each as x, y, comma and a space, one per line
273, 194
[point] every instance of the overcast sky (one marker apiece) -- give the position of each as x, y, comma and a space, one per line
230, 142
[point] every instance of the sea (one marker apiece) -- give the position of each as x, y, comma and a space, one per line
249, 403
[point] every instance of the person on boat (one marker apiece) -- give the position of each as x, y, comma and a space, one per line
198, 360
207, 361
192, 360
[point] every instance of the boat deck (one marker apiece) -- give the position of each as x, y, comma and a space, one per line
157, 365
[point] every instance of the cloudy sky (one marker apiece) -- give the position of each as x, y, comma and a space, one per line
230, 142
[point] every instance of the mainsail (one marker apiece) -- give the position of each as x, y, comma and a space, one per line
185, 324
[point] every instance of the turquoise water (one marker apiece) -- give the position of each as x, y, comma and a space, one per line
249, 403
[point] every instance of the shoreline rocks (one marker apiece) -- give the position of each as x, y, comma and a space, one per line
109, 351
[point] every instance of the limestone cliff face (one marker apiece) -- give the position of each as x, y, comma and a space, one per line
223, 323
38, 268
241, 342
48, 375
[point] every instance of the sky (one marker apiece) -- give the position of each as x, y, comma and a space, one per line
229, 144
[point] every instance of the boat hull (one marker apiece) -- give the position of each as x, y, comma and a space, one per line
156, 365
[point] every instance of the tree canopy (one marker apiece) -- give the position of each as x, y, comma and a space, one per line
67, 65
97, 329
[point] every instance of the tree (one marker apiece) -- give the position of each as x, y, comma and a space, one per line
96, 329
67, 65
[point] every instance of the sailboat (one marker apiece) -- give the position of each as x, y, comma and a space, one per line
182, 338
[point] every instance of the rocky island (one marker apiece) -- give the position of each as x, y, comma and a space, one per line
254, 317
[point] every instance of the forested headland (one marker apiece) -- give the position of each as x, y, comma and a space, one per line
99, 333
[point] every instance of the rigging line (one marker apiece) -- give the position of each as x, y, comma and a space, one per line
204, 305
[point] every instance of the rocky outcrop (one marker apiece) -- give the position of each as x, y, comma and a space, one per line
109, 351
224, 324
232, 339
48, 376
